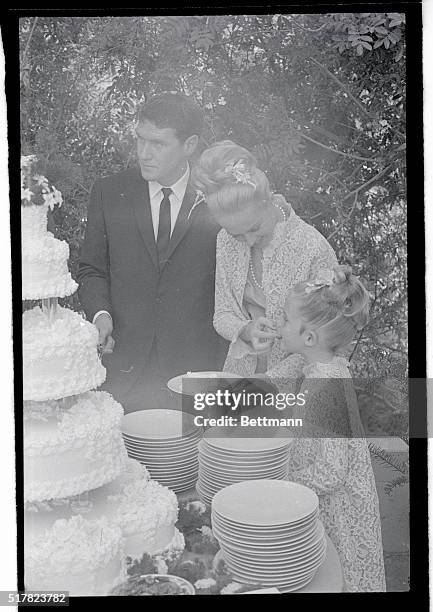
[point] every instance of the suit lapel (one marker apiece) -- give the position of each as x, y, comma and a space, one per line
140, 201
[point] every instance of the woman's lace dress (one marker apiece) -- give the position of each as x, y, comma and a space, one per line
296, 252
336, 464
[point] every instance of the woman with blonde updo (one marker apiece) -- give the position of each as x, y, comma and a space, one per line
263, 249
330, 453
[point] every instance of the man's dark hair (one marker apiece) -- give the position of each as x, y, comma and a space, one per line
173, 110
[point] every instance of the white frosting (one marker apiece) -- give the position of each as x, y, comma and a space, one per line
88, 506
142, 509
45, 271
79, 556
60, 355
72, 445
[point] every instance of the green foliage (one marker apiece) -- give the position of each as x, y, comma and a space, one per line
388, 459
319, 98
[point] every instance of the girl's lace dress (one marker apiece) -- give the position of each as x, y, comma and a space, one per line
330, 455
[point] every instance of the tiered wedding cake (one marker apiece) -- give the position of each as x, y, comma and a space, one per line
88, 506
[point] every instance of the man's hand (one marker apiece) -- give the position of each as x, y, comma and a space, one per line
260, 333
104, 325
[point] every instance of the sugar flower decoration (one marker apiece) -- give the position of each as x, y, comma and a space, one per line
26, 194
325, 278
35, 188
240, 173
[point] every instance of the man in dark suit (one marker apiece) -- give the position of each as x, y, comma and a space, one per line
147, 265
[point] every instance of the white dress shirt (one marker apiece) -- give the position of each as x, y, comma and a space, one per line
156, 196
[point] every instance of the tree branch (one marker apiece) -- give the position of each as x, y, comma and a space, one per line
29, 39
351, 96
342, 86
346, 218
373, 179
337, 151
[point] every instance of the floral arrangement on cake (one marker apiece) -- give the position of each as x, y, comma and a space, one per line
35, 188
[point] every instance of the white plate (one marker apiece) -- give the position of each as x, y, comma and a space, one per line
168, 475
263, 540
203, 495
218, 454
179, 457
183, 455
157, 424
265, 502
217, 464
176, 477
176, 466
193, 436
276, 546
287, 587
235, 475
179, 486
278, 563
165, 465
169, 445
289, 584
175, 384
252, 530
226, 439
277, 556
251, 458
274, 570
224, 474
276, 576
215, 486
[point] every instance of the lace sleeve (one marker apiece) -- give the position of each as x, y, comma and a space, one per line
228, 319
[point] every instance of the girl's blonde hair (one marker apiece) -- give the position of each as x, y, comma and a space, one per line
338, 306
228, 176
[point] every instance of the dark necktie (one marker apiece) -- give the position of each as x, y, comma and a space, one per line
164, 227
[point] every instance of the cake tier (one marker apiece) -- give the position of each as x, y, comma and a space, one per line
144, 510
60, 355
45, 271
82, 557
72, 445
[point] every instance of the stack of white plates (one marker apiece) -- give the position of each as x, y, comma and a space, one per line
224, 460
201, 382
269, 532
165, 441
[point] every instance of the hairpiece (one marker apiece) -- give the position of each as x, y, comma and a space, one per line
240, 173
325, 278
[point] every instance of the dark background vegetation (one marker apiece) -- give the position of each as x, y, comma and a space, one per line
319, 98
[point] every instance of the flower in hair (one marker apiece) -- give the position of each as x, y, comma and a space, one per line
240, 173
325, 278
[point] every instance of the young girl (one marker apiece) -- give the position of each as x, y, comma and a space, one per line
330, 454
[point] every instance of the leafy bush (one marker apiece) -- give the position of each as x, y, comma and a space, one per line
319, 98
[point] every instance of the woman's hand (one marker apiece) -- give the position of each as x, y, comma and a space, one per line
260, 333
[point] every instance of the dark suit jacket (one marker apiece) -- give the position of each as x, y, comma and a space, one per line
119, 272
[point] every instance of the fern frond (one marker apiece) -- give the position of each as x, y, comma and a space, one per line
387, 458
